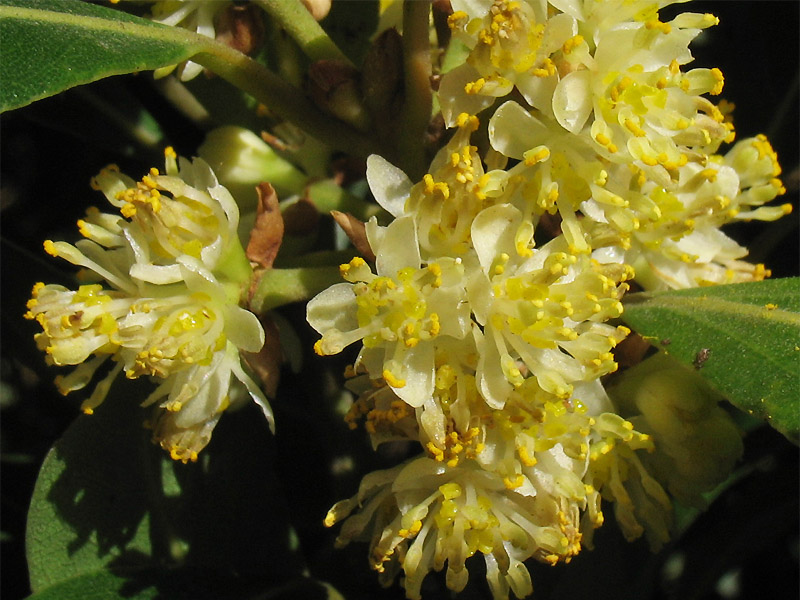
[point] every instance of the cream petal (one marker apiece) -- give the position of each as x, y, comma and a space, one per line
493, 232
572, 100
333, 308
398, 249
513, 130
454, 100
243, 329
474, 8
418, 363
492, 382
390, 185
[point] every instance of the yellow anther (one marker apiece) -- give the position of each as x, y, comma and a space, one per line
634, 128
720, 82
474, 87
536, 155
709, 174
468, 121
571, 43
393, 381
50, 248
457, 19
664, 28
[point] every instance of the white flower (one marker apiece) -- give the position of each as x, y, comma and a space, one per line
165, 304
423, 514
666, 227
542, 311
512, 43
518, 494
444, 203
400, 314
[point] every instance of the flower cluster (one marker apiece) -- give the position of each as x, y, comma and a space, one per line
488, 322
159, 297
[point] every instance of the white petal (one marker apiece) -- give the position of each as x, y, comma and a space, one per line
513, 130
389, 185
454, 100
474, 8
398, 249
333, 308
159, 275
243, 329
419, 375
572, 100
493, 232
492, 382
256, 394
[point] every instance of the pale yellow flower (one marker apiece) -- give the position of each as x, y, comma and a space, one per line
162, 302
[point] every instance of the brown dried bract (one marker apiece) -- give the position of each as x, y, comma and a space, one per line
357, 233
241, 27
267, 234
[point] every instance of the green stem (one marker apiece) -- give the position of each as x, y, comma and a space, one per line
277, 287
327, 196
323, 258
304, 29
416, 111
282, 98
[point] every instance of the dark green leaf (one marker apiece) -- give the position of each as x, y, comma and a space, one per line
52, 45
184, 583
743, 338
108, 499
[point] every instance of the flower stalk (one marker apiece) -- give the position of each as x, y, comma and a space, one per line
282, 98
416, 112
277, 287
298, 22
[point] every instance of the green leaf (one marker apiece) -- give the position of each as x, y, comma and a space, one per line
53, 45
743, 338
109, 501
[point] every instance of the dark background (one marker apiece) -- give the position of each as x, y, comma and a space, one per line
51, 149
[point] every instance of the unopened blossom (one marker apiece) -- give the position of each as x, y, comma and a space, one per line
697, 443
160, 299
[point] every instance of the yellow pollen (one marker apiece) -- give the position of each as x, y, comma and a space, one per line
468, 121
664, 28
534, 156
571, 43
50, 248
392, 380
717, 89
